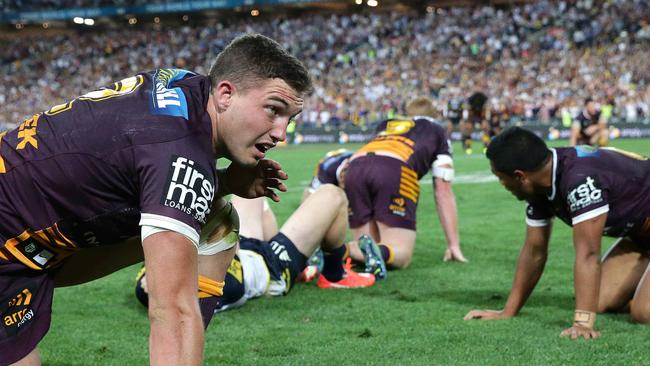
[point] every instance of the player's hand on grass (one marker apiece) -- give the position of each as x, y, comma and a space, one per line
486, 315
252, 182
577, 331
454, 255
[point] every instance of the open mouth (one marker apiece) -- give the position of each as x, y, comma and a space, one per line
263, 148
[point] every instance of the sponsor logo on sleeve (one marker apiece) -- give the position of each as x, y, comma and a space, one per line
189, 189
530, 211
585, 194
166, 100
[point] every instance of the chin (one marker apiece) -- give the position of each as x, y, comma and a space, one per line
249, 161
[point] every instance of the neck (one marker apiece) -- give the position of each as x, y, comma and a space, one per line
543, 177
214, 118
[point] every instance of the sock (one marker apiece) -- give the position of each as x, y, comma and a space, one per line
333, 263
210, 293
386, 253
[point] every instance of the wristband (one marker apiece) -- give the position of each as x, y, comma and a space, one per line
584, 318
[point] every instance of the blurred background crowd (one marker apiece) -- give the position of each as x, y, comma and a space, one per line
534, 61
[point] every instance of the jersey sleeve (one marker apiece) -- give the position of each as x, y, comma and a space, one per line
443, 151
177, 186
586, 196
538, 214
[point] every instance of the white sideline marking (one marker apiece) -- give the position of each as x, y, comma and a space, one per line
470, 178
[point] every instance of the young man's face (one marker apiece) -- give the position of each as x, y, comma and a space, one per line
517, 184
591, 108
256, 119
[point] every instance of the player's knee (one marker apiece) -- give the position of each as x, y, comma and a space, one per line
640, 312
401, 261
335, 194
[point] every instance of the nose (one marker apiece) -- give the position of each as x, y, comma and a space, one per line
279, 130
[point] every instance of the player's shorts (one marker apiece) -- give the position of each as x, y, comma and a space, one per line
381, 188
25, 310
283, 259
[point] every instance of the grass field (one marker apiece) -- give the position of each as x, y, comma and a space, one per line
412, 318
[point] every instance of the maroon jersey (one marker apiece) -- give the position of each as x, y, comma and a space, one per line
418, 142
91, 171
329, 168
588, 182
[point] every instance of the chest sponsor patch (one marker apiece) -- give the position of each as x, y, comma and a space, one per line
189, 189
585, 194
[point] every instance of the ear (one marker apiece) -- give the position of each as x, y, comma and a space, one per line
223, 95
520, 175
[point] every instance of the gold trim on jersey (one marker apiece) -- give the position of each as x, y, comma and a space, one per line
3, 169
209, 287
398, 145
49, 239
409, 185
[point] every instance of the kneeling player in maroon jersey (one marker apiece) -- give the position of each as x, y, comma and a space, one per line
598, 192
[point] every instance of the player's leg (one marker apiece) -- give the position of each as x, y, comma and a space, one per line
269, 222
322, 221
251, 213
622, 267
32, 359
353, 246
322, 218
360, 196
26, 312
640, 305
466, 128
216, 251
395, 210
397, 245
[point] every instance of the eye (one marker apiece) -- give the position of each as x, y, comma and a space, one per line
272, 110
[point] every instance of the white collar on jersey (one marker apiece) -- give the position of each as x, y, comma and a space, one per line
553, 189
340, 169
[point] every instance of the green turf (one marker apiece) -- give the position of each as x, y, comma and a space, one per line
413, 318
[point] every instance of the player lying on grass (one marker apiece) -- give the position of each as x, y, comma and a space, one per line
127, 173
382, 185
269, 262
597, 192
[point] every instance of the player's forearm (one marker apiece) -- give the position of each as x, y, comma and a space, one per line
587, 281
447, 213
176, 337
530, 267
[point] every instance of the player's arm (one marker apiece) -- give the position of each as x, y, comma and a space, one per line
530, 267
176, 336
443, 173
587, 237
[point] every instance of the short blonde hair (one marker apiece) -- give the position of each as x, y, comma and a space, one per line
421, 106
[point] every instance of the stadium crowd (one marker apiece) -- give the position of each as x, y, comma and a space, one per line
533, 59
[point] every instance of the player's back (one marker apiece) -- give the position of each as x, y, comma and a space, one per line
75, 175
417, 141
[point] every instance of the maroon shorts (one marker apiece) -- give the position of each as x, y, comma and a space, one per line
25, 310
383, 189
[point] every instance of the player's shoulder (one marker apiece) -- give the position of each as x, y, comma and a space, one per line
430, 123
175, 92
